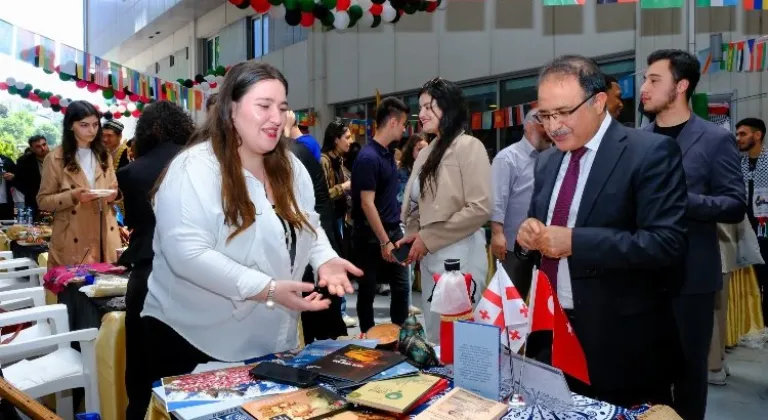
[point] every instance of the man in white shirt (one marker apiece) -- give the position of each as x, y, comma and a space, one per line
607, 218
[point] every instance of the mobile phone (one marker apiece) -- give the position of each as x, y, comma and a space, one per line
282, 374
323, 291
401, 254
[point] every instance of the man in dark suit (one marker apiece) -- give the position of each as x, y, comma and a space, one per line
7, 180
607, 217
716, 194
28, 171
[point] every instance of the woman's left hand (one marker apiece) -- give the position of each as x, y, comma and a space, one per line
333, 274
112, 197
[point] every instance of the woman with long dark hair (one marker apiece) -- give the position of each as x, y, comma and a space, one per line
236, 228
78, 184
161, 132
448, 197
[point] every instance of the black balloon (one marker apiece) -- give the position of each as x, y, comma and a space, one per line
108, 115
378, 2
398, 4
56, 108
396, 19
423, 5
293, 17
321, 12
199, 78
376, 21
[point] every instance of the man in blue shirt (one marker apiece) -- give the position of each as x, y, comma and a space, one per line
376, 215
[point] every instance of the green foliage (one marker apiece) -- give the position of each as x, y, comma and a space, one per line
17, 127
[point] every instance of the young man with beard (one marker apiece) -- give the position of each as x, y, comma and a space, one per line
28, 171
750, 133
715, 195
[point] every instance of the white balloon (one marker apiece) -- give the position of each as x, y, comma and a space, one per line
277, 12
367, 19
64, 102
210, 78
341, 20
131, 107
46, 103
388, 13
20, 85
219, 80
121, 109
205, 86
365, 4
113, 109
10, 81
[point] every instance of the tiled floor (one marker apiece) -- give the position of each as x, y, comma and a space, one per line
745, 397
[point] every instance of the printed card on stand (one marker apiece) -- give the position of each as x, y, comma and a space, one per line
477, 358
542, 385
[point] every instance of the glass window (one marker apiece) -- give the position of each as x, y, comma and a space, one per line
481, 98
258, 49
354, 112
212, 53
516, 92
265, 34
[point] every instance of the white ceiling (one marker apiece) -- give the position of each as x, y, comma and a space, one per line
167, 23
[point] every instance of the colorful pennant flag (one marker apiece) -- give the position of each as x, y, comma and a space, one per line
101, 72
47, 54
563, 2
661, 4
84, 66
615, 1
67, 60
25, 46
716, 3
6, 38
755, 4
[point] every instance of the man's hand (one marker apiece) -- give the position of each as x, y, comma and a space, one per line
386, 252
529, 233
346, 185
555, 241
290, 121
8, 176
499, 246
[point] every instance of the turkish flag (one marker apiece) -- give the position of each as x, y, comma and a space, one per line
543, 307
567, 353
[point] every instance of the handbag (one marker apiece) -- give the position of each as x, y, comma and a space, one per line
747, 248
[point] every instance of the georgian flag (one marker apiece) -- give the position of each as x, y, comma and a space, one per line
501, 305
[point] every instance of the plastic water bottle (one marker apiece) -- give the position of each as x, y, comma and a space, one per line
29, 215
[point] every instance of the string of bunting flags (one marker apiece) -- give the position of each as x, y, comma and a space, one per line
97, 74
668, 4
747, 55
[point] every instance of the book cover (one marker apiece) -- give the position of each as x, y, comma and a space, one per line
355, 363
234, 413
398, 371
322, 348
477, 358
460, 404
394, 395
364, 415
305, 404
235, 383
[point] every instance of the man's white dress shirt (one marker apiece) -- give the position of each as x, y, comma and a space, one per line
564, 290
200, 281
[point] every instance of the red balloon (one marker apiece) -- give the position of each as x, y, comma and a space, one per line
376, 9
342, 5
133, 97
213, 85
3, 86
136, 113
431, 6
307, 19
54, 100
63, 110
58, 69
260, 6
143, 99
33, 97
117, 115
119, 94
93, 87
81, 83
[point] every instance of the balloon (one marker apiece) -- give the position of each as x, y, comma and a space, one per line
20, 85
260, 6
376, 22
214, 85
205, 86
108, 93
131, 107
376, 9
3, 86
136, 113
93, 87
46, 103
293, 17
355, 12
330, 4
121, 109
432, 6
291, 4
113, 109
117, 116
133, 97
12, 90
10, 81
342, 5
366, 20
341, 20
307, 19
365, 4
54, 100
306, 5
276, 2
65, 102
388, 13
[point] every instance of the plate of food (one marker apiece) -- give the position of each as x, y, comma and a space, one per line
102, 193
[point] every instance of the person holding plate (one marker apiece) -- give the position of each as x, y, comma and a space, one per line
78, 185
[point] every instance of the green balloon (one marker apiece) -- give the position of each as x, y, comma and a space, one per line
181, 81
307, 5
355, 12
275, 2
221, 71
330, 4
47, 71
108, 93
127, 113
12, 90
409, 9
24, 93
328, 20
36, 91
290, 4
423, 5
27, 87
139, 105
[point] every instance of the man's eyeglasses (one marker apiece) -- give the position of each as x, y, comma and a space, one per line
548, 118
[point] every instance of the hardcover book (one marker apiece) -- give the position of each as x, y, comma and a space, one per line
394, 395
354, 363
306, 404
460, 404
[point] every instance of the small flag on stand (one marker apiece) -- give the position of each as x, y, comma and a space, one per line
501, 305
661, 4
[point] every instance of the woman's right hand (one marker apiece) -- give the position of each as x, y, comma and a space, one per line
83, 195
288, 293
346, 185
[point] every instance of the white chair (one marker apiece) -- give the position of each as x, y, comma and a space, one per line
58, 368
20, 273
53, 320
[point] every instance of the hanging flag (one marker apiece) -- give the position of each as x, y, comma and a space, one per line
501, 305
67, 60
749, 54
499, 119
156, 88
477, 120
715, 3
759, 56
487, 120
6, 38
615, 1
84, 66
47, 54
705, 60
567, 353
563, 2
25, 46
116, 75
101, 72
755, 4
661, 4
